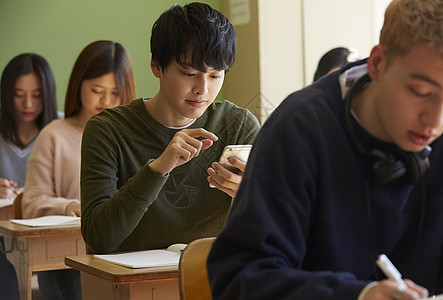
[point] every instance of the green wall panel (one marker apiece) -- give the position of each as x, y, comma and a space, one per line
60, 29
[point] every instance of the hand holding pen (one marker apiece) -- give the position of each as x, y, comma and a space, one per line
394, 287
8, 189
390, 271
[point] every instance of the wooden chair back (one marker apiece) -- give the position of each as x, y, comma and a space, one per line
17, 206
192, 273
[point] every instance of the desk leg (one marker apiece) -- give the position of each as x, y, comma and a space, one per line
20, 260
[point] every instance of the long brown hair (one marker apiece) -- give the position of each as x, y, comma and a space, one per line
97, 59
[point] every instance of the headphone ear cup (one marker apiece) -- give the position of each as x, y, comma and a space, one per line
385, 169
418, 164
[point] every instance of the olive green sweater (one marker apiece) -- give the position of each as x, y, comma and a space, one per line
128, 207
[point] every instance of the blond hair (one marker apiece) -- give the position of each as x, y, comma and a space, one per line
408, 22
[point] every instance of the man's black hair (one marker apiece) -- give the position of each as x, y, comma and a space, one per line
207, 31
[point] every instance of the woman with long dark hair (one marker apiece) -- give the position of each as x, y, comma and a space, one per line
28, 104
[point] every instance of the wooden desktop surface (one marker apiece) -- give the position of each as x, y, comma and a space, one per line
119, 274
17, 230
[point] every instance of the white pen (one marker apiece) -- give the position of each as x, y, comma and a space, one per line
390, 271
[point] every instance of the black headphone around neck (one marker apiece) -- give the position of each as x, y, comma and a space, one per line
385, 167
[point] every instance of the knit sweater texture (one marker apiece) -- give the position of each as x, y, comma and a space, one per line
53, 176
126, 206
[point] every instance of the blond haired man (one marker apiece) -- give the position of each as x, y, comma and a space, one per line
343, 172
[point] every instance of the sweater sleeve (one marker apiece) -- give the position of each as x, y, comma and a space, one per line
111, 208
45, 186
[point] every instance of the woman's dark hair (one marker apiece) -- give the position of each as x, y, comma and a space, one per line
20, 65
334, 58
196, 25
97, 59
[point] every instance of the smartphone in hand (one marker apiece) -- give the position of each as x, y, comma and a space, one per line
239, 151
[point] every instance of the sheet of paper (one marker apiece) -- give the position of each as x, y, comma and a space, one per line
6, 202
142, 259
48, 221
438, 297
239, 12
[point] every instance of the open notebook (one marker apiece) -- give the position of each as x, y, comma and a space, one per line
145, 259
48, 221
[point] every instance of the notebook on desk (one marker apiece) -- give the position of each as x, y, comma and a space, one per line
6, 202
438, 297
48, 221
145, 259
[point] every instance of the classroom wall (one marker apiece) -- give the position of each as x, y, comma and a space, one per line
59, 29
269, 60
344, 23
281, 41
278, 48
242, 83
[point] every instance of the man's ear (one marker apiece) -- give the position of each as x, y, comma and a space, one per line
376, 62
156, 69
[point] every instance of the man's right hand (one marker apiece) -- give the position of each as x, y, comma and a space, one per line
183, 147
389, 289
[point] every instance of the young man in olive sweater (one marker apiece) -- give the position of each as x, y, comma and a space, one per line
146, 166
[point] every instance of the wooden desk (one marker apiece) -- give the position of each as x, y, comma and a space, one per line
32, 249
6, 212
103, 280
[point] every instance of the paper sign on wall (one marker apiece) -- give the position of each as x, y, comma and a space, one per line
239, 12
